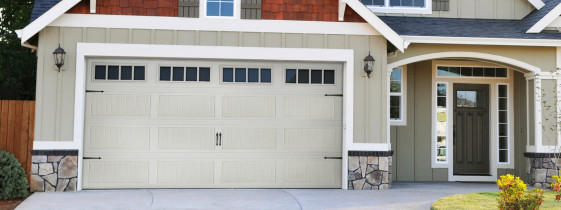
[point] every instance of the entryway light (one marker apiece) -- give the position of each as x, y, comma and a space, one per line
59, 55
368, 64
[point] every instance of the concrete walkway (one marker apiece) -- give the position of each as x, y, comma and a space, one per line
402, 195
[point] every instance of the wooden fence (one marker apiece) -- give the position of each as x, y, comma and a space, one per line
17, 120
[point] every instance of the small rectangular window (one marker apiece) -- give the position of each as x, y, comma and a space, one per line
100, 72
450, 71
328, 76
291, 76
395, 110
240, 75
165, 73
316, 76
126, 72
220, 8
139, 73
252, 75
303, 76
178, 74
266, 75
191, 74
113, 72
204, 74
441, 123
228, 75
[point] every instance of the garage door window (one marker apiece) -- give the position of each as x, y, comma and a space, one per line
117, 72
246, 75
189, 74
310, 76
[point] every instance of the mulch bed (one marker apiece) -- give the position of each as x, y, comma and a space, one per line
11, 204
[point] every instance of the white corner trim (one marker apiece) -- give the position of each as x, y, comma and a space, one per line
342, 7
93, 6
52, 145
377, 23
345, 56
213, 24
538, 4
45, 19
482, 41
483, 56
546, 20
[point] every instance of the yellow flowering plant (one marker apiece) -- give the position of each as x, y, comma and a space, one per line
513, 195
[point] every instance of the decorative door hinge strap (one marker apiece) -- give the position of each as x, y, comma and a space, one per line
94, 91
332, 158
92, 158
334, 95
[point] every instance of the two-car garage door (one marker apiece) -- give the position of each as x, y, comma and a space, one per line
212, 124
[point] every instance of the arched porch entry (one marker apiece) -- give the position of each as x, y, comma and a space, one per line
425, 140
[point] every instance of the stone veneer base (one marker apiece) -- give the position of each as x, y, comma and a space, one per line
369, 170
53, 170
541, 168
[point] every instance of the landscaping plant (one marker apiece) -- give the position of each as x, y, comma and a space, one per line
513, 194
13, 181
556, 186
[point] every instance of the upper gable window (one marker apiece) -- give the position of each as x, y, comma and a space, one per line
399, 6
220, 8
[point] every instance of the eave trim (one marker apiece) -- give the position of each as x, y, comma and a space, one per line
538, 4
546, 20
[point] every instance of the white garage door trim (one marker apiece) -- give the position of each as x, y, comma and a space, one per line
85, 50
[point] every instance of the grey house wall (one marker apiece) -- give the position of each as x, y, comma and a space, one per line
55, 92
412, 143
481, 9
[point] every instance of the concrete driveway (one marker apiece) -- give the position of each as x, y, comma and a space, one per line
402, 195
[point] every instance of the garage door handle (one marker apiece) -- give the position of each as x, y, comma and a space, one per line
94, 91
334, 95
332, 158
90, 158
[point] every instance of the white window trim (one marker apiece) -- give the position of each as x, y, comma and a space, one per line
408, 10
403, 102
237, 10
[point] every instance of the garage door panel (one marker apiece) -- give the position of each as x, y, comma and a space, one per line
312, 138
186, 138
309, 107
248, 172
186, 172
116, 172
119, 138
120, 105
249, 138
312, 171
249, 106
186, 106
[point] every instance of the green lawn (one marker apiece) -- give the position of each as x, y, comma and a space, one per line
486, 200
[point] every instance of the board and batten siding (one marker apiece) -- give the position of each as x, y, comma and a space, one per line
483, 9
55, 92
412, 143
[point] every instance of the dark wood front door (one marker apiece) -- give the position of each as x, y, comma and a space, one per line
471, 129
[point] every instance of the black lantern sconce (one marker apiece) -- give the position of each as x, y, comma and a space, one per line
59, 55
369, 64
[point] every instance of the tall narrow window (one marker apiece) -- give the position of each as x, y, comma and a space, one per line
441, 122
503, 124
397, 96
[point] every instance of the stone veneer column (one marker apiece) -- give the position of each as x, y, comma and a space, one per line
541, 168
53, 170
369, 170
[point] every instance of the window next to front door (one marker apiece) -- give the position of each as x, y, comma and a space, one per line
397, 96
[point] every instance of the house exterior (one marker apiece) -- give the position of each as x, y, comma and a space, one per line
280, 94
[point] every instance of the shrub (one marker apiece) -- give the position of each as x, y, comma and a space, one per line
13, 181
556, 186
513, 194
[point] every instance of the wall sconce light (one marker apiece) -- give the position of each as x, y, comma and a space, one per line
59, 55
369, 64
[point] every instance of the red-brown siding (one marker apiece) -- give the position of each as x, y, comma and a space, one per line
310, 10
130, 7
